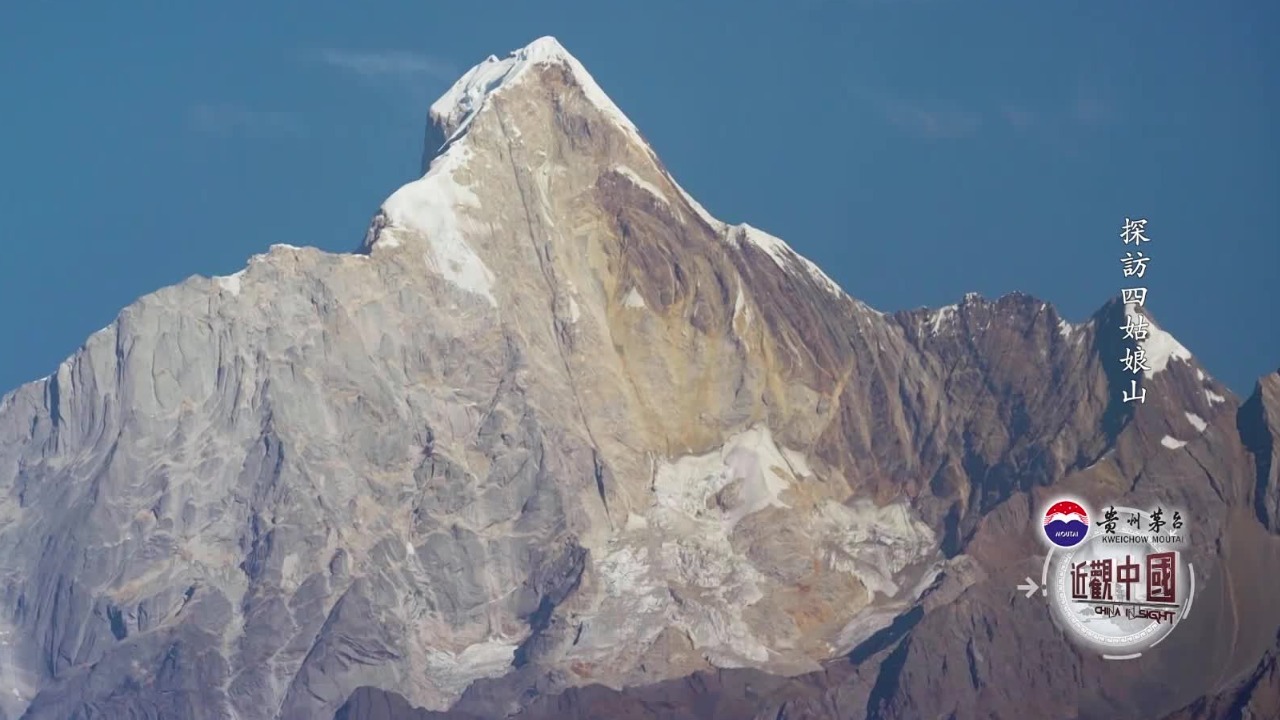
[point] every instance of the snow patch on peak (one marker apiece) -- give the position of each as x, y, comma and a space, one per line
454, 111
867, 308
633, 299
432, 208
453, 672
752, 459
545, 47
716, 225
1172, 443
740, 308
230, 283
1197, 421
640, 182
942, 316
1213, 397
569, 298
784, 256
1159, 345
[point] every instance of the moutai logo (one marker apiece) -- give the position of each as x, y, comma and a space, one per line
1066, 523
1121, 588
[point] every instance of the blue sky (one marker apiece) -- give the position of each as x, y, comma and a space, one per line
915, 149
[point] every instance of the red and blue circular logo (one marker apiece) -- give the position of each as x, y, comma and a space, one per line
1066, 523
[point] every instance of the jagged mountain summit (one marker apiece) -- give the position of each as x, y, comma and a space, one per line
554, 442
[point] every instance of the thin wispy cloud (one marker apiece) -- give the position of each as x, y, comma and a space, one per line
926, 117
1090, 108
225, 120
1094, 99
394, 65
1017, 117
930, 121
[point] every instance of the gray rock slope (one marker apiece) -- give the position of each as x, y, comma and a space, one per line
556, 436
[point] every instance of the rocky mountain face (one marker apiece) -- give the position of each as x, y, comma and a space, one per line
557, 443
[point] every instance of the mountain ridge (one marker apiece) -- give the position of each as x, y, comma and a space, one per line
548, 430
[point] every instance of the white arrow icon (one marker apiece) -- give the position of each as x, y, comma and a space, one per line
1030, 587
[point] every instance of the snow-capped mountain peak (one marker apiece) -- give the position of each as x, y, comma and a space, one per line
526, 106
454, 111
557, 427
